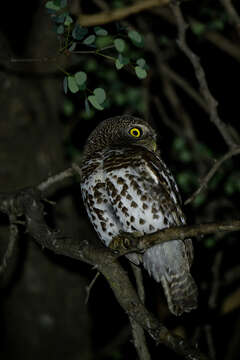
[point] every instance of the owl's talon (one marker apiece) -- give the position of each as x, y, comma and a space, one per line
120, 242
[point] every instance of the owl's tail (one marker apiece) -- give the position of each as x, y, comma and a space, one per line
181, 292
167, 264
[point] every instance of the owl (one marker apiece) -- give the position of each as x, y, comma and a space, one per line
126, 187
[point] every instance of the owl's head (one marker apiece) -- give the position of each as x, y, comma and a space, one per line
121, 131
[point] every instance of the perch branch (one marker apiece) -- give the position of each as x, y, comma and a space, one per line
129, 243
108, 16
28, 203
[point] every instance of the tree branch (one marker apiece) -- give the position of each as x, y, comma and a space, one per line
208, 177
137, 331
234, 18
119, 14
126, 242
28, 203
200, 75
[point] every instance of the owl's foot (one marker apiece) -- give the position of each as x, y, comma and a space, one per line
124, 241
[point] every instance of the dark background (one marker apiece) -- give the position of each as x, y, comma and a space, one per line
43, 312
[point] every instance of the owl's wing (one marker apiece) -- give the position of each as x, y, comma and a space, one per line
172, 188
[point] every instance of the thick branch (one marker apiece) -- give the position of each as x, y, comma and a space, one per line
119, 14
28, 203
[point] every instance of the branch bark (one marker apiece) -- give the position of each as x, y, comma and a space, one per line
119, 14
200, 75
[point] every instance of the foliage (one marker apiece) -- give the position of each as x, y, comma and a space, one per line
97, 40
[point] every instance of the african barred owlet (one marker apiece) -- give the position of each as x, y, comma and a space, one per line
126, 187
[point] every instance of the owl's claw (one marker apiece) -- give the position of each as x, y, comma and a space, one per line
123, 241
120, 242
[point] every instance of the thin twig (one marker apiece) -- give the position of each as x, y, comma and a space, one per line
234, 18
89, 287
139, 282
9, 254
184, 85
232, 275
139, 338
212, 301
68, 173
208, 177
165, 118
209, 339
200, 74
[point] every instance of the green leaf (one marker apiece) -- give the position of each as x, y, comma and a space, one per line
141, 73
80, 77
141, 62
216, 24
121, 61
87, 108
135, 36
68, 20
52, 5
63, 3
72, 84
198, 28
65, 84
163, 40
59, 19
60, 29
68, 107
185, 156
100, 95
92, 99
119, 45
103, 41
89, 40
91, 65
210, 242
100, 31
199, 200
79, 32
73, 46
179, 144
118, 64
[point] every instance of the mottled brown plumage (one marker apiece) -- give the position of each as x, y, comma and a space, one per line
127, 187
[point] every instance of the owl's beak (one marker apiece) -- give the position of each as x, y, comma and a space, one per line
154, 145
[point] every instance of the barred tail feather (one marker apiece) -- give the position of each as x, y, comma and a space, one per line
168, 263
181, 292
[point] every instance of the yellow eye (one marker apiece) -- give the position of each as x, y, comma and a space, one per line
136, 132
